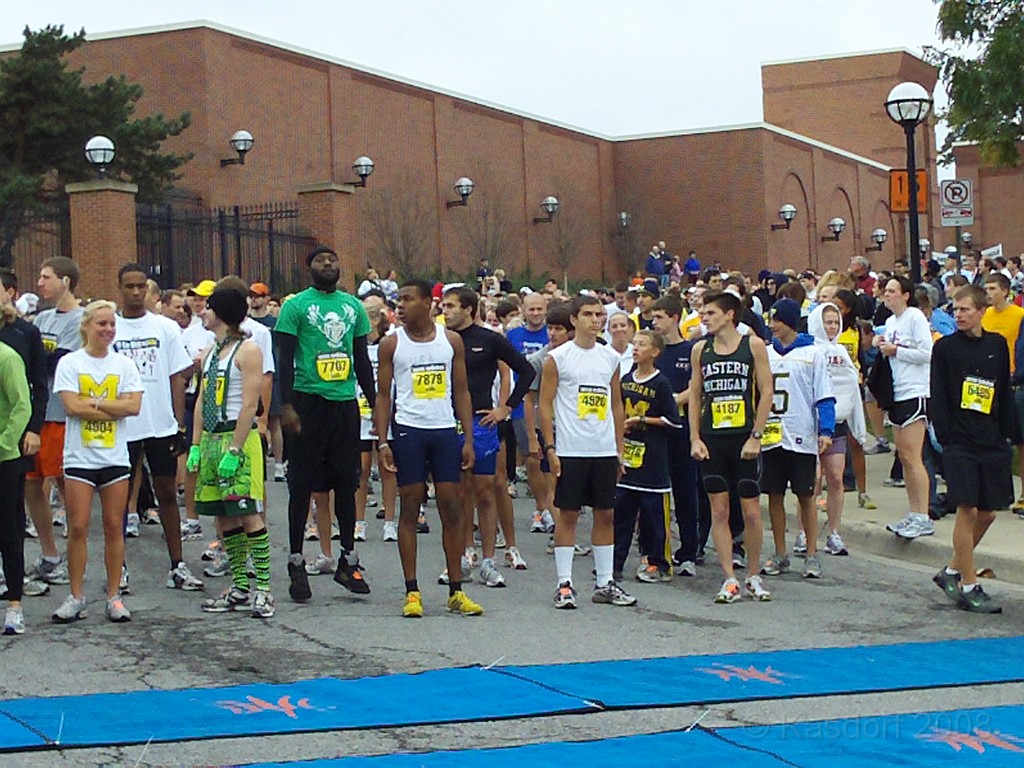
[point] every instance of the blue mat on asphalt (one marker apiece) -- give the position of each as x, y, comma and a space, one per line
983, 737
992, 737
666, 750
693, 680
15, 736
327, 704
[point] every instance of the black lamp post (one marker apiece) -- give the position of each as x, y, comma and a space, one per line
908, 105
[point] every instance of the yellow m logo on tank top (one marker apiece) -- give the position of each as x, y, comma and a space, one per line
98, 434
103, 390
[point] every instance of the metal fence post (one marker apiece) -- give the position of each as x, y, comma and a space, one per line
238, 241
271, 256
222, 220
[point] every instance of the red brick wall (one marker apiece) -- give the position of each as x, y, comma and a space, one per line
102, 236
702, 191
998, 193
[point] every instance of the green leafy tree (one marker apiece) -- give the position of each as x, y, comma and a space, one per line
983, 72
48, 112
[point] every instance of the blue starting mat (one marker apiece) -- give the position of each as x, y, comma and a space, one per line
969, 737
670, 750
327, 704
992, 737
696, 680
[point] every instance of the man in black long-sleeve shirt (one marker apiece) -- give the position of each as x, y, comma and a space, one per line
25, 339
973, 415
484, 348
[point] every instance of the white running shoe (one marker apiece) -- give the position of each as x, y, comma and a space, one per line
280, 471
834, 544
72, 609
920, 526
489, 574
322, 564
899, 525
800, 545
191, 530
311, 533
131, 526
360, 531
513, 559
756, 589
180, 577
499, 540
390, 530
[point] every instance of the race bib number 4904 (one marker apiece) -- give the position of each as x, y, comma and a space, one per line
99, 434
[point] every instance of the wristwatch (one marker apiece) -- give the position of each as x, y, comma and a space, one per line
235, 451
381, 446
756, 435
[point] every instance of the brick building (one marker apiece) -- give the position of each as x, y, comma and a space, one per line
826, 147
998, 200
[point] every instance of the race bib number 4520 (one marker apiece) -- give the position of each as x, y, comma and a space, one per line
592, 401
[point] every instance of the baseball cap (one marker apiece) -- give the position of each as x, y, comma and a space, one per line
786, 311
650, 287
204, 288
259, 289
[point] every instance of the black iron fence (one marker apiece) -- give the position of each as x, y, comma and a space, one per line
182, 242
26, 240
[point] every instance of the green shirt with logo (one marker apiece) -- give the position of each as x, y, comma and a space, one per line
324, 325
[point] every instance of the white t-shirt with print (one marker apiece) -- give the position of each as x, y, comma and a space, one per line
154, 344
102, 443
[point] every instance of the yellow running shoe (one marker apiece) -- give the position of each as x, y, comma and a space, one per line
413, 608
460, 603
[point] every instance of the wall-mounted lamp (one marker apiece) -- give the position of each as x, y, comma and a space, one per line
550, 206
363, 166
464, 188
241, 142
924, 245
879, 236
837, 225
99, 150
966, 238
787, 213
625, 219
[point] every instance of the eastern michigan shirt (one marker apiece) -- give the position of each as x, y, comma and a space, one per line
101, 443
645, 450
154, 344
324, 325
584, 424
60, 336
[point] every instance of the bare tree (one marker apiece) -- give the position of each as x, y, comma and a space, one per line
566, 232
486, 228
402, 227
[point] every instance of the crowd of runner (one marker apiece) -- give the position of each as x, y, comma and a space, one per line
664, 407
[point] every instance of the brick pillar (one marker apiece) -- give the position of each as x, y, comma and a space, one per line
102, 233
327, 212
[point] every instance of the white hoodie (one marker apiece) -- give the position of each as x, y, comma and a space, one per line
845, 378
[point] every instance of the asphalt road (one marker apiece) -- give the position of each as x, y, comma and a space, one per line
170, 643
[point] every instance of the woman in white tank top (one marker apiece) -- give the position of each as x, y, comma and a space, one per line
227, 454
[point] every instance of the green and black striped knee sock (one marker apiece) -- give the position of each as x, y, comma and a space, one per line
259, 548
237, 549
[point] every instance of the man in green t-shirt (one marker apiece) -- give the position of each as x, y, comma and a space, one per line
321, 342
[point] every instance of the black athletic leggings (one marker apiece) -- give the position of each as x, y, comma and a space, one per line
12, 525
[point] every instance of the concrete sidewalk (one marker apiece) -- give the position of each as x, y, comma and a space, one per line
863, 530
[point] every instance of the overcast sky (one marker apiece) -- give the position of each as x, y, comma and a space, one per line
616, 67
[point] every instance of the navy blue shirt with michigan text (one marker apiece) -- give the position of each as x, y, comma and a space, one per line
645, 454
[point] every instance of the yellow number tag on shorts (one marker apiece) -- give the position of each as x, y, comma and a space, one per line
772, 434
333, 366
365, 411
728, 412
429, 382
592, 401
633, 453
99, 434
219, 395
977, 394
